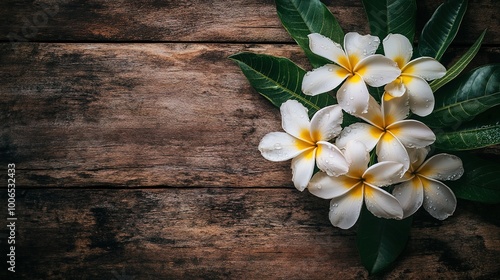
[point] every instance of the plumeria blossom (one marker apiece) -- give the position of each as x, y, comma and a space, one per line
306, 142
356, 64
423, 186
388, 130
414, 74
361, 183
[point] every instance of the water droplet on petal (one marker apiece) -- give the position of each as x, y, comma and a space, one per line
277, 146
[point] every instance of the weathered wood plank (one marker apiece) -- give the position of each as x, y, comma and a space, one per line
195, 21
219, 233
134, 114
138, 115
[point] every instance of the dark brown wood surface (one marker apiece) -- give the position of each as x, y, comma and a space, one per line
135, 144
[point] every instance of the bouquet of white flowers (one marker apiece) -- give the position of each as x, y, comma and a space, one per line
377, 125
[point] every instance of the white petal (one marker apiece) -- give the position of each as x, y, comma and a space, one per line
373, 114
439, 200
323, 79
398, 48
421, 96
327, 187
330, 159
412, 133
382, 204
442, 167
303, 168
377, 70
353, 95
365, 133
345, 209
410, 195
358, 157
294, 120
325, 124
384, 173
426, 67
280, 146
394, 108
417, 156
389, 148
395, 88
325, 47
359, 46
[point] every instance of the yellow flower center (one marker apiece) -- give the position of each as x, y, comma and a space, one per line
400, 61
307, 143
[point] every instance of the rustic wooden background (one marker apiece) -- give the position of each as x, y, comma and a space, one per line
135, 144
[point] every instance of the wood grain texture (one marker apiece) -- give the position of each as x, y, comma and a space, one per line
196, 20
219, 233
79, 115
134, 139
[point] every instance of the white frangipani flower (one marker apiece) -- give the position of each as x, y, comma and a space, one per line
414, 74
423, 185
361, 183
358, 65
388, 130
306, 142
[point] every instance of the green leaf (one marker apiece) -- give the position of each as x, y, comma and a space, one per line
459, 66
473, 135
301, 18
466, 97
391, 16
480, 181
279, 79
349, 119
380, 241
441, 29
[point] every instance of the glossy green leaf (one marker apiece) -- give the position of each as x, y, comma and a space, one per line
466, 97
474, 135
380, 241
441, 29
391, 16
279, 79
301, 18
480, 181
459, 66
